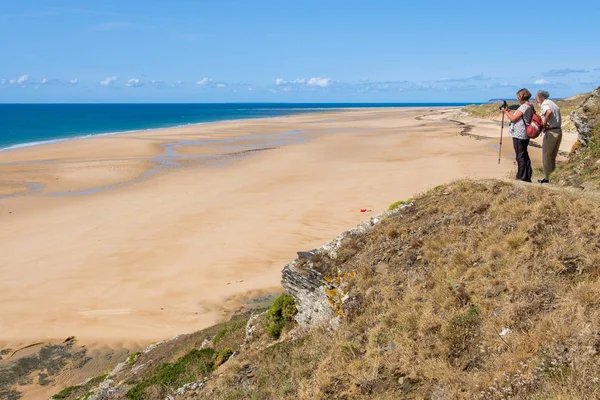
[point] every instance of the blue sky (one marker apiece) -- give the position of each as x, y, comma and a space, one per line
291, 51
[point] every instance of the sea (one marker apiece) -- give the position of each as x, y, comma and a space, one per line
23, 125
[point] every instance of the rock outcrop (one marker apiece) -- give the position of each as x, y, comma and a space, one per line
587, 117
321, 298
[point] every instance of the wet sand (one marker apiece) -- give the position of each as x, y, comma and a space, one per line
127, 239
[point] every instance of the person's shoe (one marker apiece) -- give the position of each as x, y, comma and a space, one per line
543, 180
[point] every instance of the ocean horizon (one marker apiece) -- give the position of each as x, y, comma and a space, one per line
31, 124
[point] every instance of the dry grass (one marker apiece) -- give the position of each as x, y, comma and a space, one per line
466, 263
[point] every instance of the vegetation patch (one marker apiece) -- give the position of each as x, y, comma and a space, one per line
66, 392
79, 391
133, 357
281, 312
223, 356
219, 335
169, 377
399, 203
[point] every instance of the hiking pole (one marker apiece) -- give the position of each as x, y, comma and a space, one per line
504, 105
501, 131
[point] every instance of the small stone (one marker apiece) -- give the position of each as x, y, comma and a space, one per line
389, 347
381, 268
589, 185
305, 255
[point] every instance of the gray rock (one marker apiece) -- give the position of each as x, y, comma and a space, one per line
391, 346
306, 255
585, 117
251, 326
188, 387
306, 287
589, 185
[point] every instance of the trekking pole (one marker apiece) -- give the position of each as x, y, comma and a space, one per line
502, 107
501, 131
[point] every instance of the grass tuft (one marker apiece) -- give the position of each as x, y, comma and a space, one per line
281, 311
399, 203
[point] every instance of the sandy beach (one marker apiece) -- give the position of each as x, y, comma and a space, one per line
129, 239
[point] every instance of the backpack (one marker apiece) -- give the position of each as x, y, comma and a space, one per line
534, 129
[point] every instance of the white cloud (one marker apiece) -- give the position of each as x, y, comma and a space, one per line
541, 82
36, 86
107, 81
12, 81
133, 82
73, 81
321, 82
220, 85
297, 81
44, 80
2, 81
22, 79
153, 82
203, 81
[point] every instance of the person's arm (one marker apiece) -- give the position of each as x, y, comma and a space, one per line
513, 117
546, 117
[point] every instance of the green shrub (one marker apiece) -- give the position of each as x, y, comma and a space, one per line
397, 204
133, 357
223, 356
281, 311
219, 335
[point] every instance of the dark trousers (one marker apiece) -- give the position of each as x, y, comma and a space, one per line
523, 161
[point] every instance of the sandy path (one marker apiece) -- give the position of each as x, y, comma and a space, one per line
151, 255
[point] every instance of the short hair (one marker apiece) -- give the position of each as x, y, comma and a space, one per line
523, 95
543, 94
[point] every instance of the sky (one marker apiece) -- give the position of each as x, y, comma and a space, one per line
294, 51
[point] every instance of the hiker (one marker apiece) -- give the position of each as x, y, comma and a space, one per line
518, 121
550, 114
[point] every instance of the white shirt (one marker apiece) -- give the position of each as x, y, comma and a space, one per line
555, 120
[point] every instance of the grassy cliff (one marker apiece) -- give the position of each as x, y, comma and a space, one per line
485, 289
478, 290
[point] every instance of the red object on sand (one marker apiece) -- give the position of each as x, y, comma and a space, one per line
363, 210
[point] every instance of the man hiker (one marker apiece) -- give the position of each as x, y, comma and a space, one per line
550, 114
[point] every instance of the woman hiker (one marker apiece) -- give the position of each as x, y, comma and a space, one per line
523, 115
550, 114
